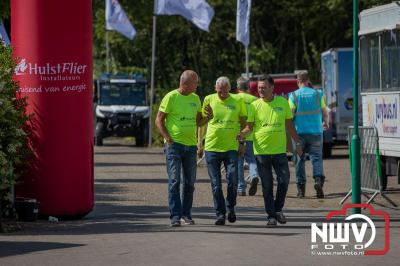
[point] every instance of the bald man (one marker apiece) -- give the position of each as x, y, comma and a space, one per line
177, 120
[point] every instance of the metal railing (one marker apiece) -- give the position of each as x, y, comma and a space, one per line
371, 172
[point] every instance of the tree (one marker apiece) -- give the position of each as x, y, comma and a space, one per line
13, 129
5, 9
285, 35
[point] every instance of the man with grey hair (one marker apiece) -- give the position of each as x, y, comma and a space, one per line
225, 114
243, 93
311, 117
177, 120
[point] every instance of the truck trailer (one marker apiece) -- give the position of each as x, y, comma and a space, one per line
337, 85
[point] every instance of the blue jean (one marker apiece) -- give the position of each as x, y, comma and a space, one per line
251, 160
280, 164
311, 144
230, 161
180, 159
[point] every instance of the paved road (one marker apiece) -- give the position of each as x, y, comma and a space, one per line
129, 225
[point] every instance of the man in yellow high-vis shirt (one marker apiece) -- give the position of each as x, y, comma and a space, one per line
269, 117
227, 113
177, 120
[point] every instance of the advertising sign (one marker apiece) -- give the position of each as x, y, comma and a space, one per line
52, 43
383, 113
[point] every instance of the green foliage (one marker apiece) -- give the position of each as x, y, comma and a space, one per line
4, 9
285, 35
13, 131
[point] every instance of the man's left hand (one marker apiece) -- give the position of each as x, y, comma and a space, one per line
325, 126
299, 150
242, 150
200, 152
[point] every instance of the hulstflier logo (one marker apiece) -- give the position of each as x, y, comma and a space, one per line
52, 76
51, 71
21, 67
354, 235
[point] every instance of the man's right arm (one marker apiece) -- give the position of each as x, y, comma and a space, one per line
325, 114
160, 123
325, 118
292, 105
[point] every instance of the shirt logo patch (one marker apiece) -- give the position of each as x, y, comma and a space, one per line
272, 125
265, 125
183, 118
221, 121
193, 104
231, 107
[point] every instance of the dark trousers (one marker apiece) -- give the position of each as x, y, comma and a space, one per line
214, 161
181, 160
280, 164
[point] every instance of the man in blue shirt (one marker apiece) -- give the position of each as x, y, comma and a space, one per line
311, 117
